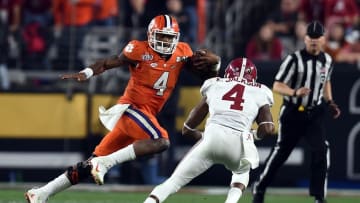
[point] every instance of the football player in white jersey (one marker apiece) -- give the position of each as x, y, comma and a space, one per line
234, 103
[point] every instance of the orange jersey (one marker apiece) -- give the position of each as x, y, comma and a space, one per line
154, 78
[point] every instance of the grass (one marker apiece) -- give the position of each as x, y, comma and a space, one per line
96, 196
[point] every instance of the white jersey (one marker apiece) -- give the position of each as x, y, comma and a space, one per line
235, 103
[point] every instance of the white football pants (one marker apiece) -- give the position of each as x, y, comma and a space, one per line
219, 145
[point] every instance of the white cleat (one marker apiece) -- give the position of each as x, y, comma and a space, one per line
35, 196
99, 167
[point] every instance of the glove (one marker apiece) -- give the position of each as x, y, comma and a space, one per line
255, 136
334, 109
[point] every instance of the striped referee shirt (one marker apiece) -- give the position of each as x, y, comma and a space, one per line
302, 69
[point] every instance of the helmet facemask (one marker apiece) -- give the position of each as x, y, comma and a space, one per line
163, 34
158, 44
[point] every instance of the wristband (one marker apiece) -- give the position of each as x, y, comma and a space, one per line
187, 127
88, 72
265, 122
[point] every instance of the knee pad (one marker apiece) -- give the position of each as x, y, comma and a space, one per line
78, 172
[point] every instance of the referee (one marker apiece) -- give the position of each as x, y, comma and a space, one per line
304, 81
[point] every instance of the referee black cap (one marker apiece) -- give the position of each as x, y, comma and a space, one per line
315, 30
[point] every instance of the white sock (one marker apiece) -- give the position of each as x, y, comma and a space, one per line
234, 195
125, 154
57, 185
150, 200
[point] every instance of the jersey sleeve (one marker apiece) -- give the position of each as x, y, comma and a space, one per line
133, 50
206, 86
286, 70
268, 96
330, 65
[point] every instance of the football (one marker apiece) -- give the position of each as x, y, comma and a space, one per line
205, 64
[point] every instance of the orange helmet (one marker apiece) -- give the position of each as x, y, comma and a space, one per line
163, 34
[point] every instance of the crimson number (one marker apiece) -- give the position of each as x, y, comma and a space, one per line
235, 95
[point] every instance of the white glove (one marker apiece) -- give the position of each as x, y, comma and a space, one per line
254, 133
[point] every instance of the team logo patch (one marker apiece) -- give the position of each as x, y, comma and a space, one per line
249, 137
181, 58
147, 57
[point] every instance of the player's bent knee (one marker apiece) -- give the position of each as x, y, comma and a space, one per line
78, 172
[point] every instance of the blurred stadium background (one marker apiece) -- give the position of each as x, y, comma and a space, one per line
48, 124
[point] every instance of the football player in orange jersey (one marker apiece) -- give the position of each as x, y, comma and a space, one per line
155, 66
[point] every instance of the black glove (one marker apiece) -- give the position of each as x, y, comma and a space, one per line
334, 109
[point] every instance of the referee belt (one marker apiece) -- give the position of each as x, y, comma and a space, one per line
300, 107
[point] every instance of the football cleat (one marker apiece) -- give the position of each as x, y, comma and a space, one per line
99, 167
35, 196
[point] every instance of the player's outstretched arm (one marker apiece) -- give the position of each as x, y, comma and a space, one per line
196, 116
265, 122
99, 67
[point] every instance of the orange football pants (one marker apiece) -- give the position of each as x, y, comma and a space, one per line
132, 126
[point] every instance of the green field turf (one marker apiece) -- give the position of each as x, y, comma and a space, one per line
71, 196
